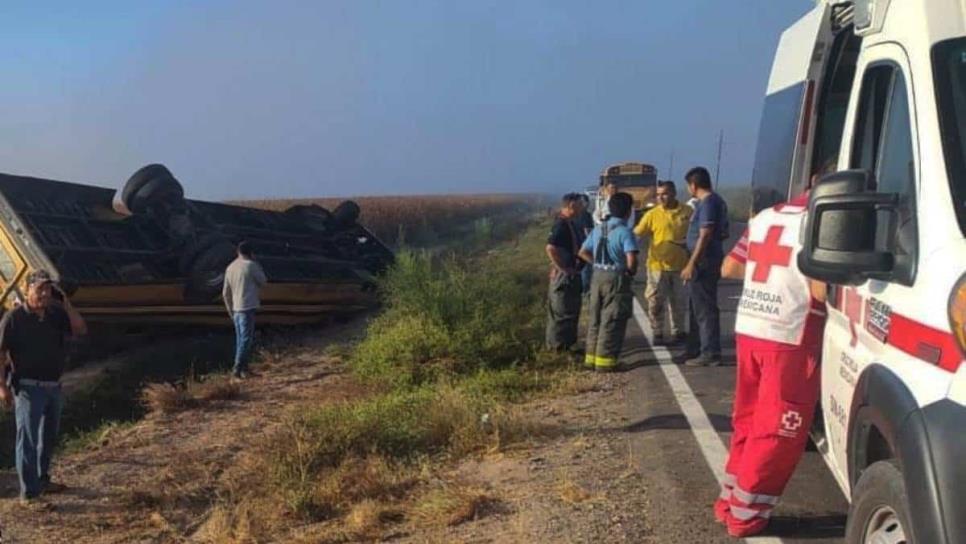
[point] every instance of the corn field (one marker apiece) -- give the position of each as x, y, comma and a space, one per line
421, 220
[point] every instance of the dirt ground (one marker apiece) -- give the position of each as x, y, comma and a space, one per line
156, 481
581, 486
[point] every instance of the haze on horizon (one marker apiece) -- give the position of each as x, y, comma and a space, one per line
251, 99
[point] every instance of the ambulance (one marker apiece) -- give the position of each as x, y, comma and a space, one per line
874, 91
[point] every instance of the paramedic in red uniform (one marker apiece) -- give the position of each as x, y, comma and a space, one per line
778, 330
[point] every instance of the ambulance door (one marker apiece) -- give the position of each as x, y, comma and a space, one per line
881, 138
787, 129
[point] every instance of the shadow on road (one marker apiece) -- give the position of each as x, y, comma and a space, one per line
721, 423
808, 527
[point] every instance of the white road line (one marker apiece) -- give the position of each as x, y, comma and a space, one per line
710, 443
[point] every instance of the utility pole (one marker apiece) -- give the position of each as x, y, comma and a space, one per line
717, 168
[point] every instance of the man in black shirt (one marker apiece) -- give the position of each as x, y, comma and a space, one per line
33, 339
584, 222
563, 307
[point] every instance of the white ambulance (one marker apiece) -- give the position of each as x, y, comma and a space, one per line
876, 89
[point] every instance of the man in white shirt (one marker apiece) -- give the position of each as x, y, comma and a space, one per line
244, 278
601, 212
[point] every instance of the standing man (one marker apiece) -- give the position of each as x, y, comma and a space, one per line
601, 211
613, 251
563, 296
584, 222
779, 348
243, 279
708, 228
667, 225
33, 339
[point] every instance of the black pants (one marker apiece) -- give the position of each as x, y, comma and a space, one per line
705, 331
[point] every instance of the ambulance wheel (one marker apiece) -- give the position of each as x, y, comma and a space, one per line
346, 214
152, 184
880, 507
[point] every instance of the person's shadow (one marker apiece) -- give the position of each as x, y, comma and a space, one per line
721, 424
807, 527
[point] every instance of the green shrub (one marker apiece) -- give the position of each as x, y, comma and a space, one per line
450, 316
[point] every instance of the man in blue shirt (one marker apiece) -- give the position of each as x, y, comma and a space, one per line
612, 248
708, 229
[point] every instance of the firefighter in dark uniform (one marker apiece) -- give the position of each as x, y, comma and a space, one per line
564, 294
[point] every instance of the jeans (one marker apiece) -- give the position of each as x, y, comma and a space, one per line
244, 339
705, 316
37, 411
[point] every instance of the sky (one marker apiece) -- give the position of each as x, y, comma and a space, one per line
284, 98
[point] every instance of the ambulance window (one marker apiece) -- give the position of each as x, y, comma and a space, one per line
896, 164
949, 65
883, 144
897, 174
834, 98
776, 147
868, 126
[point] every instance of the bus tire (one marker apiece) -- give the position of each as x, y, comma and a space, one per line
195, 248
207, 273
311, 215
151, 184
880, 506
346, 214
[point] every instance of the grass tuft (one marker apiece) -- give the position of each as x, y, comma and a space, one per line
572, 493
451, 504
220, 388
166, 398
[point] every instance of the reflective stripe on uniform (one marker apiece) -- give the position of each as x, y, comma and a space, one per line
605, 361
752, 498
745, 514
590, 359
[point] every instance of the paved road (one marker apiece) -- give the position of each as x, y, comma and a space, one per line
682, 483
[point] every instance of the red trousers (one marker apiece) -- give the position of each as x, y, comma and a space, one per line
777, 388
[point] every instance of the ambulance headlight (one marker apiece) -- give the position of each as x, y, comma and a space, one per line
957, 313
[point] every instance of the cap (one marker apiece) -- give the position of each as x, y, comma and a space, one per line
39, 277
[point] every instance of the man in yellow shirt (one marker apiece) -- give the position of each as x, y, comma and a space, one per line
667, 225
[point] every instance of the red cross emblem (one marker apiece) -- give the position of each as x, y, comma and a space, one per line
791, 420
768, 254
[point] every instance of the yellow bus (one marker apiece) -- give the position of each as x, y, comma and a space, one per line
152, 256
636, 178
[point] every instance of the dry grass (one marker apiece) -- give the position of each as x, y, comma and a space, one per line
395, 219
166, 398
361, 479
572, 493
216, 389
451, 504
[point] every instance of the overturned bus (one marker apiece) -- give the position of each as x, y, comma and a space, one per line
149, 255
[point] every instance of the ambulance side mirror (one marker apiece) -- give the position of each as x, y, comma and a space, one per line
842, 231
